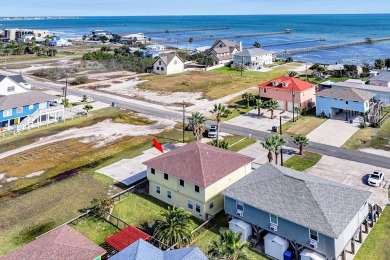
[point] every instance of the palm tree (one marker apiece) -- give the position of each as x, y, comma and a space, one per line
219, 111
228, 247
270, 145
259, 104
298, 110
248, 97
221, 144
88, 107
271, 105
279, 141
175, 227
65, 102
292, 73
257, 45
190, 40
196, 121
289, 59
302, 141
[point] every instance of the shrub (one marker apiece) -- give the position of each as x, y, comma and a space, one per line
79, 80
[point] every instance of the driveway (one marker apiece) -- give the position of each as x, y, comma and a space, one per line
263, 123
334, 132
353, 174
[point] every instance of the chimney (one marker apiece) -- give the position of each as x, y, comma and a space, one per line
240, 46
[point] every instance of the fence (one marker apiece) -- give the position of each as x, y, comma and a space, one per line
383, 119
133, 189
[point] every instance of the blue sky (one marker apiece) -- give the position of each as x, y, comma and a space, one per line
187, 7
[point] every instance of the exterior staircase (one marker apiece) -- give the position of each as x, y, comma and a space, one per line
30, 120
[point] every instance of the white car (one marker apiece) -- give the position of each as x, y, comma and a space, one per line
375, 179
212, 132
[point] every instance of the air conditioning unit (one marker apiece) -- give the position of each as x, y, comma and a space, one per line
313, 244
240, 213
274, 228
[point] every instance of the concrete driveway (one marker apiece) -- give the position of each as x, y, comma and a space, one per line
334, 132
263, 123
353, 174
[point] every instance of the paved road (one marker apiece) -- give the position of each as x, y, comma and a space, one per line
357, 156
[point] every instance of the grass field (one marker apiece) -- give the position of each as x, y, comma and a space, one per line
237, 142
213, 84
95, 229
301, 163
304, 125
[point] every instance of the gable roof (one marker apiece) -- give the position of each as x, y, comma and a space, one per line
168, 57
382, 76
61, 243
293, 84
141, 250
347, 94
198, 163
228, 43
310, 201
24, 99
126, 237
253, 52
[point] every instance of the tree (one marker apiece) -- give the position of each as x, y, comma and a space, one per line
301, 141
87, 108
257, 45
248, 97
315, 66
190, 40
221, 144
387, 63
84, 98
196, 122
289, 59
278, 141
298, 110
103, 38
292, 73
219, 111
228, 246
84, 37
379, 64
270, 145
98, 207
174, 228
65, 102
271, 105
259, 104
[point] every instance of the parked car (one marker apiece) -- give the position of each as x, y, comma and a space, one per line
212, 132
375, 179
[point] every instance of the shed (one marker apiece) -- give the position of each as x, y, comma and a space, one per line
237, 225
275, 246
308, 254
126, 237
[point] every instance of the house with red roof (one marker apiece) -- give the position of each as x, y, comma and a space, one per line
194, 175
289, 92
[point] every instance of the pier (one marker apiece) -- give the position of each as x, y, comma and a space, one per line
291, 52
293, 42
189, 30
214, 37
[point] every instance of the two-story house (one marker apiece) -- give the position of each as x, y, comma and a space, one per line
289, 92
12, 85
193, 176
168, 63
382, 79
309, 211
253, 59
222, 51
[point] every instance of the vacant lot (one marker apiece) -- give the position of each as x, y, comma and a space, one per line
303, 126
213, 84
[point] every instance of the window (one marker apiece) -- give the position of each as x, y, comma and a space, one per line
265, 90
42, 105
158, 190
346, 102
313, 235
165, 176
169, 194
240, 206
175, 62
211, 205
19, 110
162, 68
152, 171
31, 107
197, 207
197, 188
273, 219
182, 183
190, 204
7, 112
159, 63
11, 89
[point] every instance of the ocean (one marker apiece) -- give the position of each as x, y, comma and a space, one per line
334, 28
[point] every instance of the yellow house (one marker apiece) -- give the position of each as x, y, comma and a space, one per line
193, 176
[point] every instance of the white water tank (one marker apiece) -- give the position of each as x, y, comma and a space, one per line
240, 226
275, 246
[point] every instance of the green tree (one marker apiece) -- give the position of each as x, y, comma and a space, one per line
84, 37
387, 63
292, 73
103, 38
228, 247
270, 145
221, 144
271, 105
98, 207
301, 141
220, 110
196, 122
174, 228
278, 141
87, 108
248, 97
289, 59
66, 102
379, 64
315, 66
298, 110
190, 40
259, 104
257, 45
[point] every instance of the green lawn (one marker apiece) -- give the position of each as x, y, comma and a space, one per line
97, 230
303, 126
237, 143
301, 163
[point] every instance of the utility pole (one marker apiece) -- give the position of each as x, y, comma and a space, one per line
184, 118
281, 132
242, 63
293, 96
66, 88
306, 72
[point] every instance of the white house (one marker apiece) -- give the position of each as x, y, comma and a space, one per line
12, 85
222, 51
134, 38
168, 63
381, 79
59, 42
155, 47
253, 59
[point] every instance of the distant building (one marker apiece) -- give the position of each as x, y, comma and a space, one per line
381, 93
340, 67
12, 85
57, 41
381, 79
97, 34
155, 47
253, 59
135, 38
168, 63
222, 51
16, 34
357, 81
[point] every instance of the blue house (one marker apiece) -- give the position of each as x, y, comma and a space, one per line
333, 102
310, 212
28, 109
141, 249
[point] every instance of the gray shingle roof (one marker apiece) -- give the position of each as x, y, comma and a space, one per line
24, 99
307, 200
168, 57
227, 43
347, 94
253, 52
383, 76
17, 78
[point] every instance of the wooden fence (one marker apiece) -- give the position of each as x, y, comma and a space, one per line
383, 120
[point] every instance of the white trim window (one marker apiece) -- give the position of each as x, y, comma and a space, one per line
181, 183
196, 188
240, 206
169, 194
158, 190
211, 205
190, 204
11, 89
7, 112
273, 219
313, 235
31, 107
19, 110
197, 207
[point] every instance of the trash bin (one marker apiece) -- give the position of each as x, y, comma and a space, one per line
287, 255
274, 128
350, 121
113, 104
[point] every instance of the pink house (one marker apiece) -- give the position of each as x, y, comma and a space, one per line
287, 90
